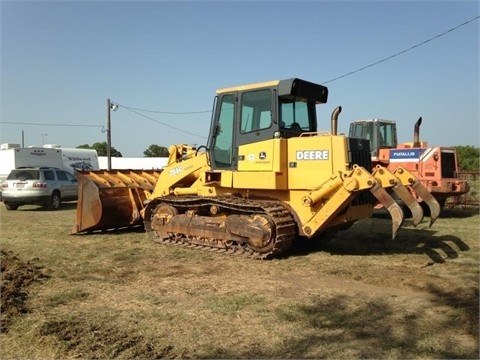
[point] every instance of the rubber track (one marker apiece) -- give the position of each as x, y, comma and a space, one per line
283, 221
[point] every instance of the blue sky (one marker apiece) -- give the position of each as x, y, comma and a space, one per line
61, 60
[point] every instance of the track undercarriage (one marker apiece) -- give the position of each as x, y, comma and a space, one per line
258, 229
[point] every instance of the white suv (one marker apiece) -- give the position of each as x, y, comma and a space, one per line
44, 186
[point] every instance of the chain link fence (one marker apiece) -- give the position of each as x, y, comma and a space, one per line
472, 198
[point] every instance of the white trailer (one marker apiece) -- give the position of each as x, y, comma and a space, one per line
70, 159
79, 159
13, 158
126, 163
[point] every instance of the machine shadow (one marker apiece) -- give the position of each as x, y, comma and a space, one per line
372, 237
459, 212
64, 206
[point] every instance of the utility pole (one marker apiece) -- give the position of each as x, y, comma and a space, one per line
109, 135
110, 106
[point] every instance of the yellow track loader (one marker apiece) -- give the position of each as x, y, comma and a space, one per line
265, 177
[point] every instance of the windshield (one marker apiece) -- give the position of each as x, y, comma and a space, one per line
24, 175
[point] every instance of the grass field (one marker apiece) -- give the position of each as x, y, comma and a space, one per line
359, 295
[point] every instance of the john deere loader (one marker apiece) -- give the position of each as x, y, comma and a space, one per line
266, 177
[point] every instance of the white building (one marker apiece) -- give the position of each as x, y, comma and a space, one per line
142, 163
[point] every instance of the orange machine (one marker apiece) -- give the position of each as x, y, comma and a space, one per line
435, 166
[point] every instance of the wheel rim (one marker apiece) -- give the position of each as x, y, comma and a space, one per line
267, 241
160, 216
56, 201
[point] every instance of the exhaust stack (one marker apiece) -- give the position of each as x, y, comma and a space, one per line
416, 133
335, 114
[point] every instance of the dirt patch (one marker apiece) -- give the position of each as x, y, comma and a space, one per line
100, 339
357, 295
16, 277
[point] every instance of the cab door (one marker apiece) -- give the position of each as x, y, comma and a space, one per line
243, 117
221, 143
256, 114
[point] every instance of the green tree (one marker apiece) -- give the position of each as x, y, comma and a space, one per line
156, 151
468, 158
101, 149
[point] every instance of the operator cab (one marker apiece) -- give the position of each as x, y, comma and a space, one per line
382, 134
262, 111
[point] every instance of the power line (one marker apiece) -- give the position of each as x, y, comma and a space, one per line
136, 110
46, 124
403, 51
324, 82
103, 127
159, 122
165, 112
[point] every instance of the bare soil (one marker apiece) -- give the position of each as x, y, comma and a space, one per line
356, 294
16, 277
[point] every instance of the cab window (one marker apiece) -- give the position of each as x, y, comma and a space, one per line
223, 137
386, 135
256, 112
295, 116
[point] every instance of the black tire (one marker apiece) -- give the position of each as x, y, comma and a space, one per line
11, 206
54, 202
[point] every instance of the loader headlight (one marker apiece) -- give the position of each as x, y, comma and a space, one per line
277, 135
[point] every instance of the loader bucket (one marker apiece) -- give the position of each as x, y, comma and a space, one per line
112, 199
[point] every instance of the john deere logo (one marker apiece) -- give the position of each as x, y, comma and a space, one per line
262, 155
312, 155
